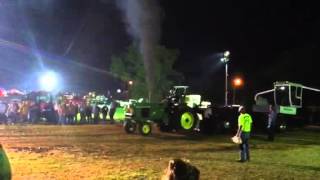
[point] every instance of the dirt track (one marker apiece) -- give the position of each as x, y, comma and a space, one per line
90, 151
107, 152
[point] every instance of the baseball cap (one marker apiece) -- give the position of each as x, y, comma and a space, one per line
240, 108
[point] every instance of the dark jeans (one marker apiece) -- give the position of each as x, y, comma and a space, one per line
62, 119
244, 146
111, 114
3, 118
82, 117
96, 118
88, 118
271, 132
70, 119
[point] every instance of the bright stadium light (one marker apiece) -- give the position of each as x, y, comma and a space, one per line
130, 83
49, 81
226, 54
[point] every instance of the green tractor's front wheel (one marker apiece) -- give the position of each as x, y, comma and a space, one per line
145, 128
129, 126
187, 121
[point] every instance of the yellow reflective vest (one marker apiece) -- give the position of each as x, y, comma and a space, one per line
245, 121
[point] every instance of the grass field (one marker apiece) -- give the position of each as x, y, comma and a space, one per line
106, 152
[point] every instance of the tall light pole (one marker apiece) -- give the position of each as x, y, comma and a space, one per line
225, 60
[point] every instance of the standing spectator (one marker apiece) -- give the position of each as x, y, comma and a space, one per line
24, 110
62, 113
88, 111
76, 112
82, 111
73, 113
68, 113
104, 111
272, 117
50, 113
112, 109
13, 112
95, 111
244, 129
3, 110
34, 112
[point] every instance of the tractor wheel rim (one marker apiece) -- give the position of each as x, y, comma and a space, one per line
145, 129
187, 120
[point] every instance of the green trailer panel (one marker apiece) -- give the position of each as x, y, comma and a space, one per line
288, 110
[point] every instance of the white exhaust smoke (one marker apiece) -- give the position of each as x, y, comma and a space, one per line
143, 24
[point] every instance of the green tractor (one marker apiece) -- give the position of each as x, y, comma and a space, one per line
178, 112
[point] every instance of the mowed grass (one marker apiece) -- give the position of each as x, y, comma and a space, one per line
107, 152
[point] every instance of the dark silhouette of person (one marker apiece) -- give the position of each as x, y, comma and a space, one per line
112, 109
104, 111
272, 117
88, 113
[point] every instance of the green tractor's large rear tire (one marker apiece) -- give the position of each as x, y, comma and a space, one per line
187, 121
145, 128
129, 126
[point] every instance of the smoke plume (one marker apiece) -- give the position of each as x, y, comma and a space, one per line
143, 24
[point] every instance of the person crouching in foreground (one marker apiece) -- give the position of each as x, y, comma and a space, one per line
5, 169
180, 170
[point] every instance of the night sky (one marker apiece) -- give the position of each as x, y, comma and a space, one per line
268, 41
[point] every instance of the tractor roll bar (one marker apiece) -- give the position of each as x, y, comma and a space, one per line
310, 88
263, 92
272, 90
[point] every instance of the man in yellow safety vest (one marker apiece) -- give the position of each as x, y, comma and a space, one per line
244, 129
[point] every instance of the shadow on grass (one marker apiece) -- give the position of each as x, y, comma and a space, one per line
298, 140
174, 137
302, 167
293, 137
293, 166
290, 139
